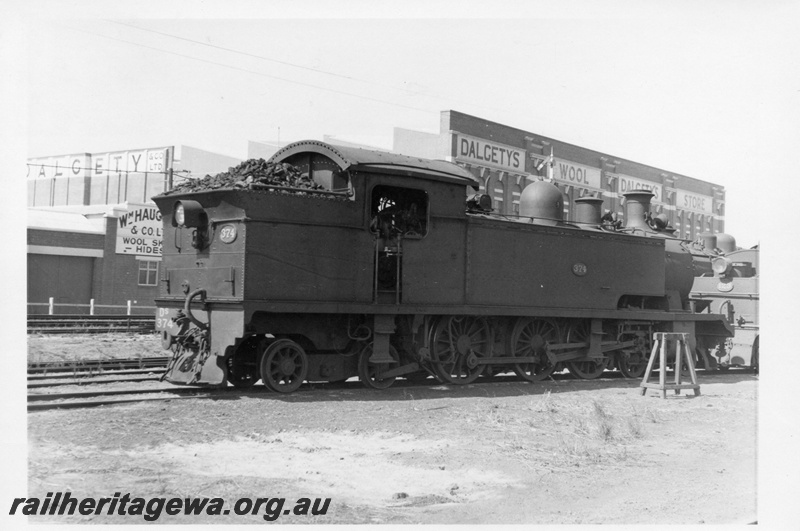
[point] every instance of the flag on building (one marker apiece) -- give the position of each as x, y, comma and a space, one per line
550, 162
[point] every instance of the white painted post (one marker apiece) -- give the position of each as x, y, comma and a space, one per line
91, 306
50, 309
129, 307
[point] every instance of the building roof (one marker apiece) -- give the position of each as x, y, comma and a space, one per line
47, 219
89, 219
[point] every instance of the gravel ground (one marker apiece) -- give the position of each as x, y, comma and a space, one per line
558, 452
70, 347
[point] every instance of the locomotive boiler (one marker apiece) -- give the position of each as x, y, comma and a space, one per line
393, 266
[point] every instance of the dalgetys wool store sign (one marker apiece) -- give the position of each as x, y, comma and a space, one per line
492, 154
139, 232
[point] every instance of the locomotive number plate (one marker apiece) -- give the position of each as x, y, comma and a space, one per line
725, 286
227, 233
164, 319
580, 269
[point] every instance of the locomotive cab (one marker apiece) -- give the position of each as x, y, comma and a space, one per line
272, 259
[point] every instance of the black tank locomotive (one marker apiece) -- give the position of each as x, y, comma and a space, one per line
393, 267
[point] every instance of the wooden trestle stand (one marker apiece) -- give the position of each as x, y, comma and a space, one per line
682, 353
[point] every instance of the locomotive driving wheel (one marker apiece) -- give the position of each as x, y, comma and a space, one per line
369, 373
633, 362
529, 339
284, 366
580, 332
457, 342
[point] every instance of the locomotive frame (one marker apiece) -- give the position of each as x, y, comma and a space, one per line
388, 273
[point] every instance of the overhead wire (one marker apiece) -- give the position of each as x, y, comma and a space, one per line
176, 174
105, 170
254, 72
247, 54
288, 63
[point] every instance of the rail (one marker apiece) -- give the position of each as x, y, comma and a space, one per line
97, 365
89, 324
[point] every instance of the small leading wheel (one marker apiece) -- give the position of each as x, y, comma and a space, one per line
369, 373
284, 366
633, 362
529, 339
457, 342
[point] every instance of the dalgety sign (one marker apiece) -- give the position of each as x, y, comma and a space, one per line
484, 153
629, 184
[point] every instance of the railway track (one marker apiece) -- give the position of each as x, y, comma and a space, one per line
94, 375
100, 395
96, 365
86, 399
90, 324
90, 381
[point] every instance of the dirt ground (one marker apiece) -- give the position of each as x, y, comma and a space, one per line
46, 348
501, 451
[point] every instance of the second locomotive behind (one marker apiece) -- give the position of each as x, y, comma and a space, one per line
382, 270
731, 289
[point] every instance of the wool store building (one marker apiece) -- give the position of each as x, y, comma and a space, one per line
505, 159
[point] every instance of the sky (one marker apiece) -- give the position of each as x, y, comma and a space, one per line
696, 88
704, 88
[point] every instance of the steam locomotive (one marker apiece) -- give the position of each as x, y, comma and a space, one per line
732, 290
395, 266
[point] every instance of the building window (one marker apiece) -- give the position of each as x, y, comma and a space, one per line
148, 273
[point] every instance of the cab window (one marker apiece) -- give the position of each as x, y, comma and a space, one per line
396, 211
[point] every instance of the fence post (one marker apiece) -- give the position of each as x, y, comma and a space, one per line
129, 307
91, 306
50, 308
